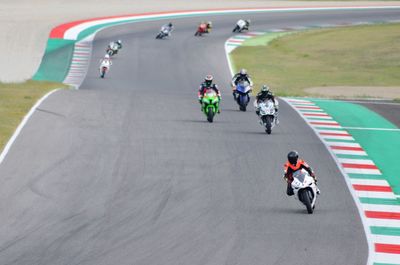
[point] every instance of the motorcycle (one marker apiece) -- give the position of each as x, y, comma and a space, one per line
305, 189
267, 114
210, 104
164, 32
240, 26
112, 50
242, 92
203, 28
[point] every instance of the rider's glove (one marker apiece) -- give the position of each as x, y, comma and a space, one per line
314, 177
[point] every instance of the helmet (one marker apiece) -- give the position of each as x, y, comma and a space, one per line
209, 23
265, 88
293, 156
208, 80
119, 41
107, 56
247, 21
169, 24
243, 71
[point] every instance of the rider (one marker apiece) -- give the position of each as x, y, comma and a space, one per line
247, 23
292, 165
105, 62
266, 94
208, 84
167, 27
241, 76
243, 24
206, 26
209, 26
115, 45
119, 43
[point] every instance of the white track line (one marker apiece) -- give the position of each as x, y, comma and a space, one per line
373, 182
22, 124
376, 194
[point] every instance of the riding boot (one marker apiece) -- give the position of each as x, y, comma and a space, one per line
289, 190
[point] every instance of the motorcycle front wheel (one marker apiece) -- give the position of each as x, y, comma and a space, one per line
306, 198
268, 126
210, 114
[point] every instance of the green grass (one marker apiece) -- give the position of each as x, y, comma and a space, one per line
350, 56
16, 99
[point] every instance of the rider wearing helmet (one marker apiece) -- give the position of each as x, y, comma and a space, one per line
241, 76
266, 94
119, 43
168, 28
292, 165
247, 23
209, 26
208, 84
115, 46
106, 61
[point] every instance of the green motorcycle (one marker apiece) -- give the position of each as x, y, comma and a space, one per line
210, 104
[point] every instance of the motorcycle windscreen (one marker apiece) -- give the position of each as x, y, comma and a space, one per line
242, 87
300, 175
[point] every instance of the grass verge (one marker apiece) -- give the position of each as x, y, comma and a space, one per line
366, 55
16, 99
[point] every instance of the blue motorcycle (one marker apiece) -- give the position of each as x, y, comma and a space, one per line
242, 96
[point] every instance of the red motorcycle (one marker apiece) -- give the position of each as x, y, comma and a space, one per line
204, 27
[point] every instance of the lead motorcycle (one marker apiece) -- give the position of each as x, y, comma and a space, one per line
242, 92
305, 189
267, 113
210, 104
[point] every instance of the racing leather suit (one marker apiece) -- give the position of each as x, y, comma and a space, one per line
290, 169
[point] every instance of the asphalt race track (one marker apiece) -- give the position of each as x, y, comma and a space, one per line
127, 170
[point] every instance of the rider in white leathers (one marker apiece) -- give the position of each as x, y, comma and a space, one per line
167, 28
243, 24
105, 62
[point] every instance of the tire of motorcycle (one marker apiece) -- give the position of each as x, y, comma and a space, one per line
210, 114
242, 101
268, 126
306, 199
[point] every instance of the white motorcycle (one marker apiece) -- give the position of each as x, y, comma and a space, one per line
305, 189
267, 114
164, 32
112, 49
241, 25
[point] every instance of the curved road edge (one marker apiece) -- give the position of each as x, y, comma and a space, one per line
376, 201
17, 131
61, 50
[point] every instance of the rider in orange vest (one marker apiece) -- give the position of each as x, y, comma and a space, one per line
292, 165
